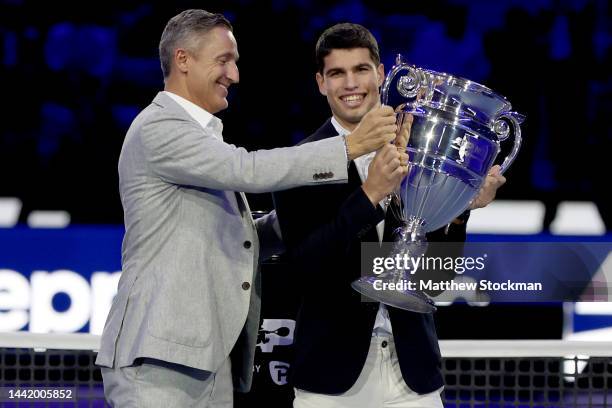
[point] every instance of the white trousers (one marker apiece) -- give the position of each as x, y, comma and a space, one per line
380, 385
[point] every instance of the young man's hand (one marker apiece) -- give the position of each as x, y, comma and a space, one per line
385, 173
403, 135
487, 193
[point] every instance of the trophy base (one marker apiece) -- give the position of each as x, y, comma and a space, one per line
407, 299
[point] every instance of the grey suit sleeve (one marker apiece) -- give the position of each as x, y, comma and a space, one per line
181, 152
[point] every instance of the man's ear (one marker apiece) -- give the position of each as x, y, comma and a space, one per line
180, 59
381, 74
321, 83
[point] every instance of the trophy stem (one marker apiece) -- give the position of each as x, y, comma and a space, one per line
412, 243
413, 231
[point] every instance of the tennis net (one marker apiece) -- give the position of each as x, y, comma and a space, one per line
530, 373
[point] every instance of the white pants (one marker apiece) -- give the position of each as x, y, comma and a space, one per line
380, 385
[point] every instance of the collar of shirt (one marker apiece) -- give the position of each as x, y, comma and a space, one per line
204, 118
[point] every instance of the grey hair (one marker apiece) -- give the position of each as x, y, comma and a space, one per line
181, 31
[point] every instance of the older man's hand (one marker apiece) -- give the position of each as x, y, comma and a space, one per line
377, 128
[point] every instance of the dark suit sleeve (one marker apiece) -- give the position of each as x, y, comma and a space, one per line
314, 237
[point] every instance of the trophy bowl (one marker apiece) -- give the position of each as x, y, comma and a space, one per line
456, 135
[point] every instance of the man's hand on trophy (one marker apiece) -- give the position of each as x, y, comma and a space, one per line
376, 129
403, 134
487, 193
385, 173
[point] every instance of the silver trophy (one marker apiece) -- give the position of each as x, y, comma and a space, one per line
458, 126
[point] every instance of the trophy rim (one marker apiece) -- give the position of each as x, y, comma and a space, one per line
468, 85
462, 85
464, 82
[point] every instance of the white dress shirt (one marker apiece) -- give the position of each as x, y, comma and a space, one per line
382, 325
200, 115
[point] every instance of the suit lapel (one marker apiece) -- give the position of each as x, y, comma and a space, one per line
243, 206
354, 180
327, 130
336, 194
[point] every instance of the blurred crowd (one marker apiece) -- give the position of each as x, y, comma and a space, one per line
74, 76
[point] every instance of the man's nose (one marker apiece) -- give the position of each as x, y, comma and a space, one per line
351, 81
233, 74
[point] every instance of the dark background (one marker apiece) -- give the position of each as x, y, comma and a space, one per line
74, 75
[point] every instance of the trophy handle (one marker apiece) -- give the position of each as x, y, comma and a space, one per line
414, 86
506, 123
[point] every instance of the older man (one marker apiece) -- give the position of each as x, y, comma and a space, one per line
189, 293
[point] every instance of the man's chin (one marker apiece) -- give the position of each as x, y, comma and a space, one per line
354, 118
220, 105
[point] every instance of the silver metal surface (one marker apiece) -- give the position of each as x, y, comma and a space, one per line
457, 129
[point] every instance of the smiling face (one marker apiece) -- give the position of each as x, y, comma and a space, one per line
350, 80
211, 69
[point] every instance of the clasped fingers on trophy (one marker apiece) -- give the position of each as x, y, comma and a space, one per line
404, 128
376, 129
385, 173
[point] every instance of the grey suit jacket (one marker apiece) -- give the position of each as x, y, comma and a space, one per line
189, 288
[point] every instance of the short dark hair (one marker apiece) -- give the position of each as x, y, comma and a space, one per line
345, 36
184, 30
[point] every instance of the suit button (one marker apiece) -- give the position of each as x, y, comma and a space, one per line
330, 174
247, 244
316, 176
383, 344
246, 285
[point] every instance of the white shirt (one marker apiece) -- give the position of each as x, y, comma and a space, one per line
204, 118
382, 325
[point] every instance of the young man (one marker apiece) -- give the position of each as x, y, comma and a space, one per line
350, 353
189, 291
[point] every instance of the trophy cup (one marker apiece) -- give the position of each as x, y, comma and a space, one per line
458, 126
